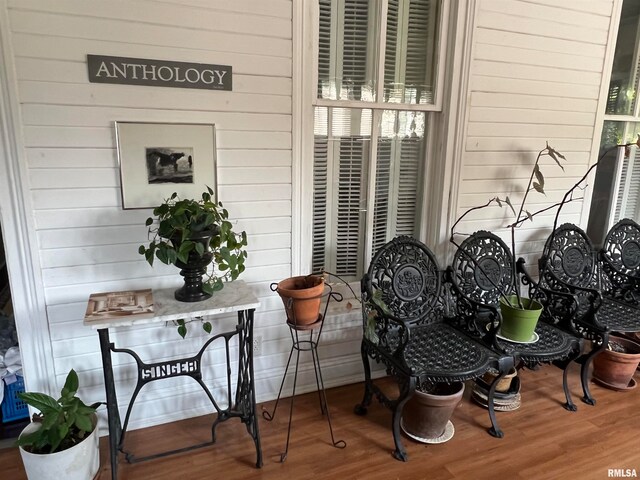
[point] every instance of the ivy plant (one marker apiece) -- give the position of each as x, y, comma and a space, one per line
172, 230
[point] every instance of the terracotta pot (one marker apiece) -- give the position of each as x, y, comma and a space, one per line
301, 297
505, 382
425, 415
616, 369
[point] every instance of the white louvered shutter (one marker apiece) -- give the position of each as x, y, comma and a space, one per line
628, 198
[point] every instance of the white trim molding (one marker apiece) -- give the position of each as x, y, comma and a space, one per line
19, 231
610, 52
304, 82
450, 169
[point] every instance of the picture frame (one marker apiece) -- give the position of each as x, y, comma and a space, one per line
157, 159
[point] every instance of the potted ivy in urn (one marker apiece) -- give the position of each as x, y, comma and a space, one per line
191, 234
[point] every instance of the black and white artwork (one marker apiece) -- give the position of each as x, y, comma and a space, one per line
169, 164
160, 159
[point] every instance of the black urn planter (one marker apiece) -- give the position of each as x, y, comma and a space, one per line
195, 268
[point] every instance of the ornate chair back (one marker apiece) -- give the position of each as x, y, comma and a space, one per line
622, 247
482, 268
406, 273
620, 261
570, 257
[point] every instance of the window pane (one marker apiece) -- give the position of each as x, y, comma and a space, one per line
410, 51
341, 162
342, 168
398, 173
347, 49
623, 87
616, 190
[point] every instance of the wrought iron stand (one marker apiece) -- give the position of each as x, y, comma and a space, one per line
235, 297
309, 345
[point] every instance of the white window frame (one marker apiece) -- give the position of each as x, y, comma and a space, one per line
436, 178
602, 117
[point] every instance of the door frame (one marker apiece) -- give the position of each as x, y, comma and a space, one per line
18, 229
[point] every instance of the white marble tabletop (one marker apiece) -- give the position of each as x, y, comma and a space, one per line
235, 296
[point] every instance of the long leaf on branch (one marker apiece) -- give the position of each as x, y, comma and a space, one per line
555, 155
539, 175
508, 202
538, 188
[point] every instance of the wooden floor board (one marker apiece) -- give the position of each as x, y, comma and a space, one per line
542, 441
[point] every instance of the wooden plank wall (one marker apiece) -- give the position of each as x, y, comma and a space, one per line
535, 76
88, 243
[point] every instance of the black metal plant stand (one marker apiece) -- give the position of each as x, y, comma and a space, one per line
298, 345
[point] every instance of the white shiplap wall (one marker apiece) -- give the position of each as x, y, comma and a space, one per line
87, 243
535, 76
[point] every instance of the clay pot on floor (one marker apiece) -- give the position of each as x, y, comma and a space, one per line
301, 297
505, 382
426, 415
614, 368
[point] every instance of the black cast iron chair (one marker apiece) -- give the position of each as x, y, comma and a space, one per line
414, 339
482, 273
619, 262
568, 264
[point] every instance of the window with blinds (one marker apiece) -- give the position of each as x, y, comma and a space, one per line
369, 153
616, 190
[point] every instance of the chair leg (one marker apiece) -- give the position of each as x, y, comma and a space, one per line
406, 392
361, 408
495, 430
584, 371
569, 405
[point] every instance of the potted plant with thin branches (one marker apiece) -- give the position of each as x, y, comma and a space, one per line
519, 315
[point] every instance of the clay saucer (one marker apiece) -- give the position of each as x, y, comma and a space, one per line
632, 384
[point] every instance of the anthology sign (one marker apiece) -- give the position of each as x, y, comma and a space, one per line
158, 73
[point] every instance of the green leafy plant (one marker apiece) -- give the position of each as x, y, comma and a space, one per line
372, 315
177, 221
65, 422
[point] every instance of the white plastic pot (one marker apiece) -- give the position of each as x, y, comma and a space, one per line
80, 462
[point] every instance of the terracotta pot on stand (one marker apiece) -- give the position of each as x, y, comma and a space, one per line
301, 297
425, 417
614, 369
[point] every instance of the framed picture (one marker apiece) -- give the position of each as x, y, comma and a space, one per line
157, 159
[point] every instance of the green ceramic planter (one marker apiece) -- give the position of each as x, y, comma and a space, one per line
518, 325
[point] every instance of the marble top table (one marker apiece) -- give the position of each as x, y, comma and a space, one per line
235, 296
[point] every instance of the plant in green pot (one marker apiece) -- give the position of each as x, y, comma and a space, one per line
197, 237
62, 440
519, 315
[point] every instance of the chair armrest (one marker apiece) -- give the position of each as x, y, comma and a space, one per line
628, 283
593, 296
391, 336
467, 313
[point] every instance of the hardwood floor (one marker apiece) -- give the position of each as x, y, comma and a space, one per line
542, 441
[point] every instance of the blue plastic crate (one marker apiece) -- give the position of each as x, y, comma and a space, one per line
12, 407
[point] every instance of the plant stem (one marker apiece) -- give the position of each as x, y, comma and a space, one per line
516, 223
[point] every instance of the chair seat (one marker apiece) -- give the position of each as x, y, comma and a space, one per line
439, 352
552, 344
618, 316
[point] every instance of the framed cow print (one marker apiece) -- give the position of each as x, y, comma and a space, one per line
157, 159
